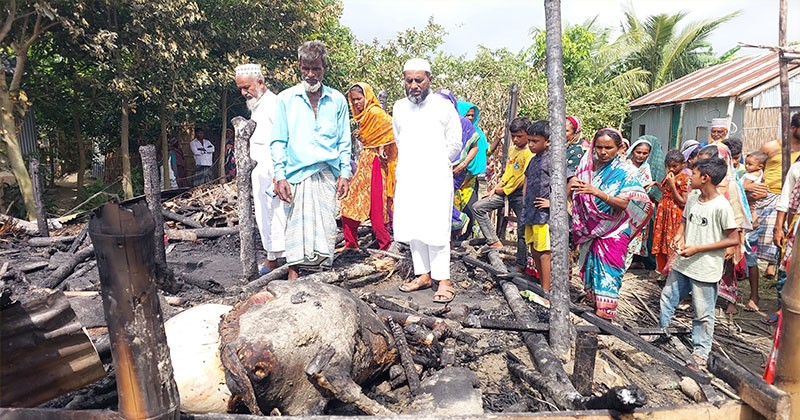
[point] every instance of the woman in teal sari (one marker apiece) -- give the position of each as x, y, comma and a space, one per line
610, 207
473, 164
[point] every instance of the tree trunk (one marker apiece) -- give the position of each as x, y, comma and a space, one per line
127, 186
562, 332
38, 198
244, 186
165, 163
13, 150
224, 112
76, 128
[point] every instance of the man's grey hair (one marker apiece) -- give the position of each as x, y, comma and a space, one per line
312, 50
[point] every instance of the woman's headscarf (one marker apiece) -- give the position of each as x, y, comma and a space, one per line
658, 170
578, 139
619, 180
478, 164
467, 130
374, 124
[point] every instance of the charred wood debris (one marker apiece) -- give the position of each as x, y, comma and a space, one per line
489, 329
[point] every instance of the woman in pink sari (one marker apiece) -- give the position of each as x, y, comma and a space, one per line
610, 206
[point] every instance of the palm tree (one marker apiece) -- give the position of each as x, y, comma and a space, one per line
666, 51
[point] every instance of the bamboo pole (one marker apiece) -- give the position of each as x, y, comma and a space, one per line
783, 71
124, 246
562, 332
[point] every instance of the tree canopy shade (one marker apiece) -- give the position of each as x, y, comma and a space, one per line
111, 75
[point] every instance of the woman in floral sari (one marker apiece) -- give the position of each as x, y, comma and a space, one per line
732, 189
372, 186
610, 206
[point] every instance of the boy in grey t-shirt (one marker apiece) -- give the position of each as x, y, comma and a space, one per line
707, 229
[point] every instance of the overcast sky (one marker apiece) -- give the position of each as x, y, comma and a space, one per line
507, 23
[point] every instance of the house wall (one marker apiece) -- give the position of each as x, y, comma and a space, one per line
657, 121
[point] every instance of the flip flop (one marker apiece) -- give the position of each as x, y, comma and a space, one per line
414, 285
770, 319
487, 249
444, 294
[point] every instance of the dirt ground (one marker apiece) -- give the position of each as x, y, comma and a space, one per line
216, 264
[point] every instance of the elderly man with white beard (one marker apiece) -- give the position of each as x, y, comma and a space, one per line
427, 130
270, 212
311, 153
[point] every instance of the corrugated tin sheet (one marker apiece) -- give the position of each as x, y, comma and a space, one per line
771, 98
28, 135
720, 81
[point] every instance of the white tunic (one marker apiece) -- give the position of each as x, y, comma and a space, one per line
270, 214
428, 138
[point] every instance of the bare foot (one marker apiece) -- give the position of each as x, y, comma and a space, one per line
345, 248
271, 264
293, 274
752, 305
731, 309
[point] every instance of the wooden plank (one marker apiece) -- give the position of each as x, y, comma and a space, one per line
733, 410
763, 397
642, 345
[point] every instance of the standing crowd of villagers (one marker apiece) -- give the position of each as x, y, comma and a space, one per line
416, 181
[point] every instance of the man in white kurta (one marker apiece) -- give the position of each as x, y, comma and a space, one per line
270, 213
428, 134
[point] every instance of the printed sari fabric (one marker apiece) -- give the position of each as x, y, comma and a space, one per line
603, 234
469, 139
732, 189
376, 135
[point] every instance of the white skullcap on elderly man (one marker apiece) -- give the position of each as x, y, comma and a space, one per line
719, 123
418, 64
248, 70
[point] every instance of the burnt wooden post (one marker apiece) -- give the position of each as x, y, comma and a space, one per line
511, 113
38, 197
152, 193
585, 354
244, 185
562, 332
123, 240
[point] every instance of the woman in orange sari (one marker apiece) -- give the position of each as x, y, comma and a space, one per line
372, 186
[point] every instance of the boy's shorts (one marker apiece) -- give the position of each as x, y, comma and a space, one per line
538, 236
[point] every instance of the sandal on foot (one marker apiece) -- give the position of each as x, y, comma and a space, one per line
696, 363
444, 294
770, 319
487, 249
414, 285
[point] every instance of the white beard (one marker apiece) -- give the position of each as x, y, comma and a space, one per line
311, 88
251, 103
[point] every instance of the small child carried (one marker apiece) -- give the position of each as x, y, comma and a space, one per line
707, 228
754, 164
674, 189
536, 193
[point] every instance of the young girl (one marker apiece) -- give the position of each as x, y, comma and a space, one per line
674, 189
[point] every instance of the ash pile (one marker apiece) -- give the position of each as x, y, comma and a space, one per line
347, 341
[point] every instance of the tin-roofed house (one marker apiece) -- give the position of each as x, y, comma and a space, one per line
745, 91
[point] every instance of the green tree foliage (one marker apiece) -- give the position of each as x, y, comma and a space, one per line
665, 50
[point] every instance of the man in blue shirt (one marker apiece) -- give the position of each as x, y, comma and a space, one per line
311, 154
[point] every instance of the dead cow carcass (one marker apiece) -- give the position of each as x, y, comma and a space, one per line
270, 340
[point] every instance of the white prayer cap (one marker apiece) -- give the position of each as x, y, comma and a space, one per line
248, 70
719, 122
417, 64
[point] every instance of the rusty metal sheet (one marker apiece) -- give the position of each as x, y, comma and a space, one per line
721, 81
